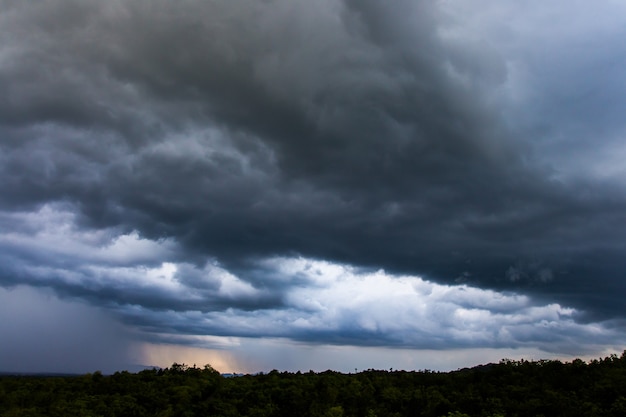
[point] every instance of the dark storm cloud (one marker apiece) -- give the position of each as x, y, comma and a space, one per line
366, 133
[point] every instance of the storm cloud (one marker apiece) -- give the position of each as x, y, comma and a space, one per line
452, 172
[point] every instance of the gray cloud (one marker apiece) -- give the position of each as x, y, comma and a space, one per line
303, 300
418, 137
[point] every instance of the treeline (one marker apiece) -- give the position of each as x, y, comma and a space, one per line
510, 388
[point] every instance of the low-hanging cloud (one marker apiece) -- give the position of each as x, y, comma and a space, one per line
302, 300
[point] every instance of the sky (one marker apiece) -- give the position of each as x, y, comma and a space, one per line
310, 184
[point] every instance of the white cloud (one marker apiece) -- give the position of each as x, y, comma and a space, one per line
315, 302
52, 234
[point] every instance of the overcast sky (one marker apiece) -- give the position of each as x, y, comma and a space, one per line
310, 184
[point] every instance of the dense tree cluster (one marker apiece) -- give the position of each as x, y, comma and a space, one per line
510, 388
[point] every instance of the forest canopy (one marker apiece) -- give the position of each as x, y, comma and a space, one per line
509, 388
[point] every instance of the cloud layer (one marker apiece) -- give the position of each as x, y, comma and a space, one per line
193, 163
143, 285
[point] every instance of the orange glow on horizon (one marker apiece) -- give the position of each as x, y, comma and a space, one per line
164, 355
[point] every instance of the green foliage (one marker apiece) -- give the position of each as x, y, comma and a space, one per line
456, 414
507, 389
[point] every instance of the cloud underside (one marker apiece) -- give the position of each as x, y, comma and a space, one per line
304, 300
336, 171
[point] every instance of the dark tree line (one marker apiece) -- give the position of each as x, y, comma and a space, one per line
507, 389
